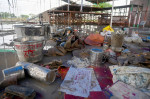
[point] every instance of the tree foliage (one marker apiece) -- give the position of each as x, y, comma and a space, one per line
102, 5
4, 15
24, 16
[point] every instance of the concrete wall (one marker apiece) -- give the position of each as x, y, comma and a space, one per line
144, 3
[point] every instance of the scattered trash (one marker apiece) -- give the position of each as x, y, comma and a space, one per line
94, 82
67, 39
148, 38
96, 57
120, 90
62, 71
56, 51
16, 71
79, 82
136, 76
113, 61
81, 53
108, 28
111, 53
94, 39
135, 38
126, 51
29, 49
78, 62
146, 55
53, 65
12, 80
38, 72
122, 61
117, 39
22, 92
128, 58
72, 43
105, 47
84, 73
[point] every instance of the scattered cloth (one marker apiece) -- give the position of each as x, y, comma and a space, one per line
130, 59
80, 82
94, 39
94, 83
135, 38
77, 82
53, 64
72, 43
136, 76
22, 92
120, 90
81, 53
78, 62
56, 51
104, 78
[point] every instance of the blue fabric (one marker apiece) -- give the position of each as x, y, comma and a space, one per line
62, 44
148, 37
97, 50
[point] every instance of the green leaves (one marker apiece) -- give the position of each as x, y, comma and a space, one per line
102, 5
7, 15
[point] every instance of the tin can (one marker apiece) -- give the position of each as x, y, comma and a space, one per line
16, 71
38, 72
96, 57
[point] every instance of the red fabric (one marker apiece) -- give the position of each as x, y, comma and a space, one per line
94, 39
104, 78
62, 71
93, 95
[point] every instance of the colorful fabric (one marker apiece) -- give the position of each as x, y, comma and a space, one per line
94, 39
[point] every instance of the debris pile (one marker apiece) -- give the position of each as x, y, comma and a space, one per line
101, 65
78, 62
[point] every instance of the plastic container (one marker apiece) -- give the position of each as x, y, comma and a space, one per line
117, 39
96, 57
29, 49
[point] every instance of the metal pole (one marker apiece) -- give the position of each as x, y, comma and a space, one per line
131, 9
126, 8
81, 6
112, 14
68, 4
135, 17
50, 5
139, 18
68, 10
